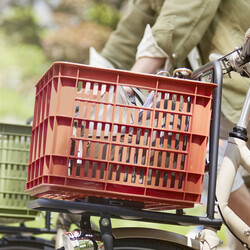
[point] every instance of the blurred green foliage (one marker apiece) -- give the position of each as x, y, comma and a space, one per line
104, 14
21, 26
20, 68
32, 36
21, 63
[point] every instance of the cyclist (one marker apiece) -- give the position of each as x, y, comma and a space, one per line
159, 34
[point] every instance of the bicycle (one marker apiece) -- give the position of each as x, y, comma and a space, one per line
107, 208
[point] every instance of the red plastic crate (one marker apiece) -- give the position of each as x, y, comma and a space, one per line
86, 142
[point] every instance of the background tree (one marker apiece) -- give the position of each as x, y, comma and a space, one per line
79, 25
34, 33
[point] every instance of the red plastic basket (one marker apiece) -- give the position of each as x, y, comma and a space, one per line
86, 142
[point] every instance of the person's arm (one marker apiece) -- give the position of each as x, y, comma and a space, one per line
181, 25
145, 65
178, 28
120, 49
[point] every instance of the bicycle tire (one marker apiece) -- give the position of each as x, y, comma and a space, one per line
147, 244
19, 242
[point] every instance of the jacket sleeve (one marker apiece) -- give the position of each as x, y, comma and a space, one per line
121, 47
181, 24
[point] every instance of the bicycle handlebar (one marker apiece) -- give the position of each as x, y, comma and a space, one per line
237, 60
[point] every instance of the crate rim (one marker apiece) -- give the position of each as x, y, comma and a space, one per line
153, 76
14, 124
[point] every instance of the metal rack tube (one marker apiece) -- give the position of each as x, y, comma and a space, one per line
215, 67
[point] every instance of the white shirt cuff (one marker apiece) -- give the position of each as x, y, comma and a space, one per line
148, 47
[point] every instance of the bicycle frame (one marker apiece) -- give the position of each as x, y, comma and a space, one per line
236, 154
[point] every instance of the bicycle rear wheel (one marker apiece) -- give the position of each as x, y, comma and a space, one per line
147, 244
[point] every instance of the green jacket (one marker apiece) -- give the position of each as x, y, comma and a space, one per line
177, 26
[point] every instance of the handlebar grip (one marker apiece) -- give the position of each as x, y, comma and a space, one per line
246, 45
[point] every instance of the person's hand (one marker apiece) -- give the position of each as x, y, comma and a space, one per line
145, 65
128, 90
